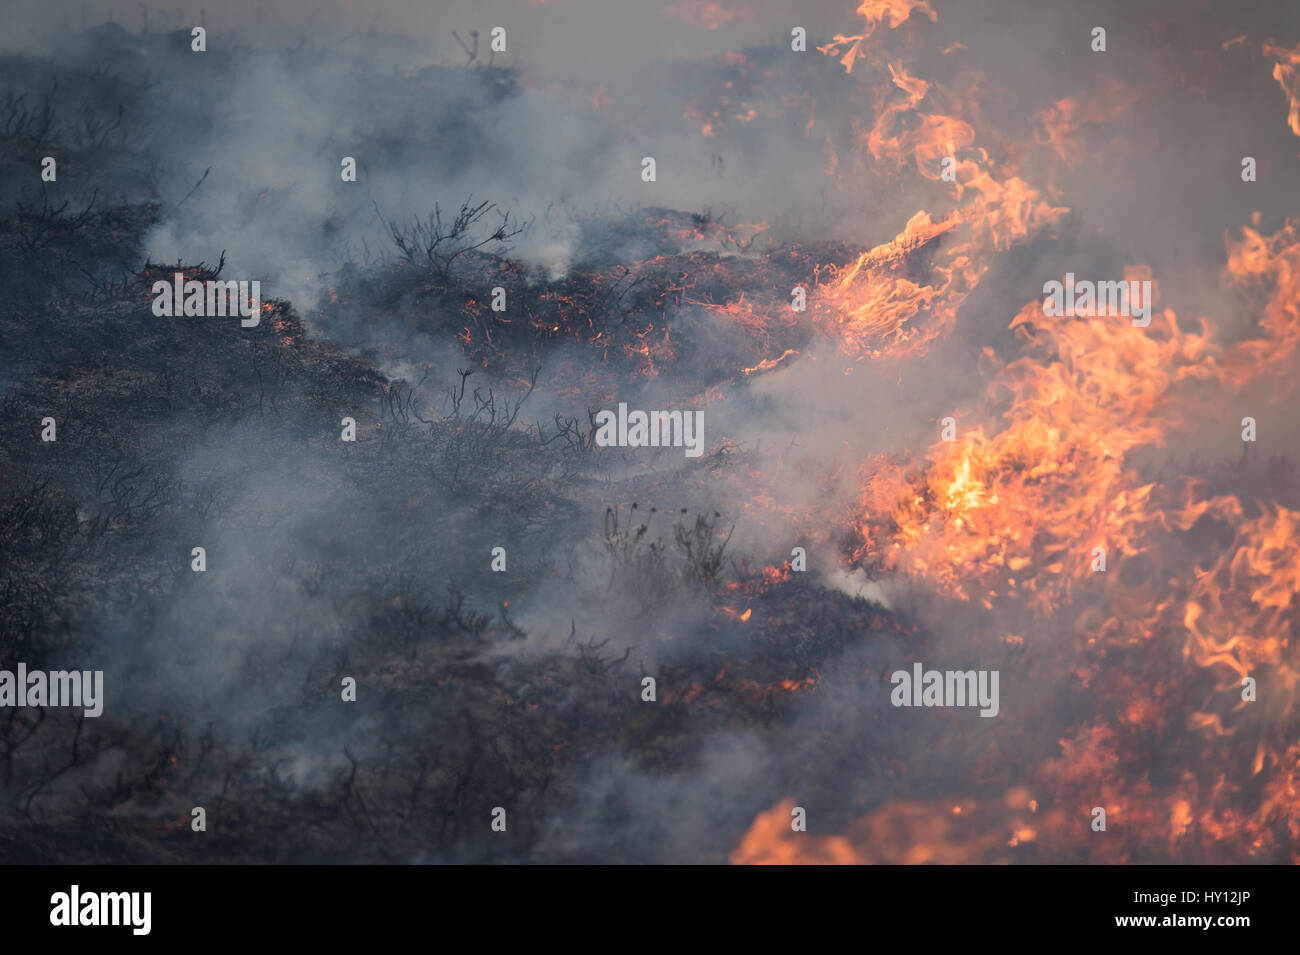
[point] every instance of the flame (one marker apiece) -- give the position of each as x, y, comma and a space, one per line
1017, 512
1050, 466
872, 307
1239, 612
898, 833
1286, 70
1267, 269
1058, 127
767, 364
875, 12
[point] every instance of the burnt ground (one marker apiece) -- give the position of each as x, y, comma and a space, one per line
370, 560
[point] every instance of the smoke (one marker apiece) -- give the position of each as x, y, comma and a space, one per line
344, 558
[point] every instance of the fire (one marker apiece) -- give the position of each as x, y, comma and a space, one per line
1058, 127
870, 309
898, 833
767, 364
1286, 70
1267, 269
877, 306
875, 12
866, 309
1017, 512
1240, 612
1192, 654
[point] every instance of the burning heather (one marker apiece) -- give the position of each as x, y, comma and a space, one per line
865, 439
